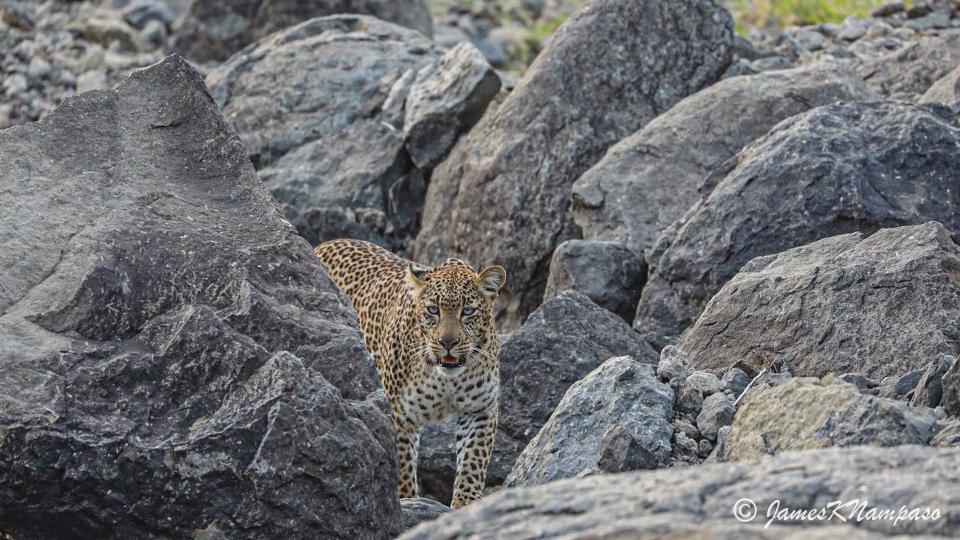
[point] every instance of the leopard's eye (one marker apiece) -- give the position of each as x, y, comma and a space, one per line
433, 310
468, 311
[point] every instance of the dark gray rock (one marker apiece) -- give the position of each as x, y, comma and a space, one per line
900, 387
735, 381
649, 179
929, 390
617, 418
950, 384
948, 436
697, 502
878, 306
607, 272
862, 383
503, 192
806, 413
564, 340
173, 357
335, 159
420, 510
689, 401
139, 12
833, 170
717, 412
212, 30
945, 91
446, 99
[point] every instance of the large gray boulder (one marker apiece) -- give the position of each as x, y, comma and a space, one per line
617, 418
806, 413
606, 272
878, 306
320, 108
649, 179
212, 30
698, 502
174, 360
946, 91
503, 193
563, 341
833, 170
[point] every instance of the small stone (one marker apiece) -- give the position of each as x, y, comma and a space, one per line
673, 364
889, 8
39, 68
810, 40
853, 29
861, 382
929, 390
687, 427
718, 411
707, 383
685, 444
704, 448
748, 366
91, 80
689, 401
154, 32
735, 380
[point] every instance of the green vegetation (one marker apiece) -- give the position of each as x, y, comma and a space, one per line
783, 13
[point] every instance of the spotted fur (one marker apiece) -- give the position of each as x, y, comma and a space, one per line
414, 320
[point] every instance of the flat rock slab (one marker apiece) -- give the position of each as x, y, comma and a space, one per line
698, 502
173, 360
879, 306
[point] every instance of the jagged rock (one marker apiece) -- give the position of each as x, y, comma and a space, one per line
334, 158
503, 192
607, 272
735, 381
950, 383
564, 340
212, 30
617, 418
173, 357
878, 306
648, 180
911, 70
948, 436
806, 413
419, 510
833, 170
689, 401
716, 413
929, 390
446, 99
946, 91
862, 383
900, 387
697, 502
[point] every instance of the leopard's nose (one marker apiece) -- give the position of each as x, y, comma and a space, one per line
449, 342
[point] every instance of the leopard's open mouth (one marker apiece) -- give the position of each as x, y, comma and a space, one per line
450, 361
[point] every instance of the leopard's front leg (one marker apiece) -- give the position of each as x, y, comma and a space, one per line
475, 436
408, 447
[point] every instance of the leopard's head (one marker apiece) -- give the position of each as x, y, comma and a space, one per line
453, 309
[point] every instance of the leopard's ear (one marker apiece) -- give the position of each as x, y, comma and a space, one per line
415, 277
491, 280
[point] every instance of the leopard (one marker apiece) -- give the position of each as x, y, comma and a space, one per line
432, 335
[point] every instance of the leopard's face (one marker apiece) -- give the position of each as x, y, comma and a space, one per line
454, 313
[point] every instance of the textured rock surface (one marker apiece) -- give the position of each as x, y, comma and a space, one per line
832, 170
419, 510
806, 413
503, 193
446, 99
173, 358
913, 68
877, 306
929, 391
320, 109
648, 180
946, 91
215, 29
606, 272
564, 340
717, 412
697, 502
617, 418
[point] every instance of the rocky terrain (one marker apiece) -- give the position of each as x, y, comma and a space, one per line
734, 270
